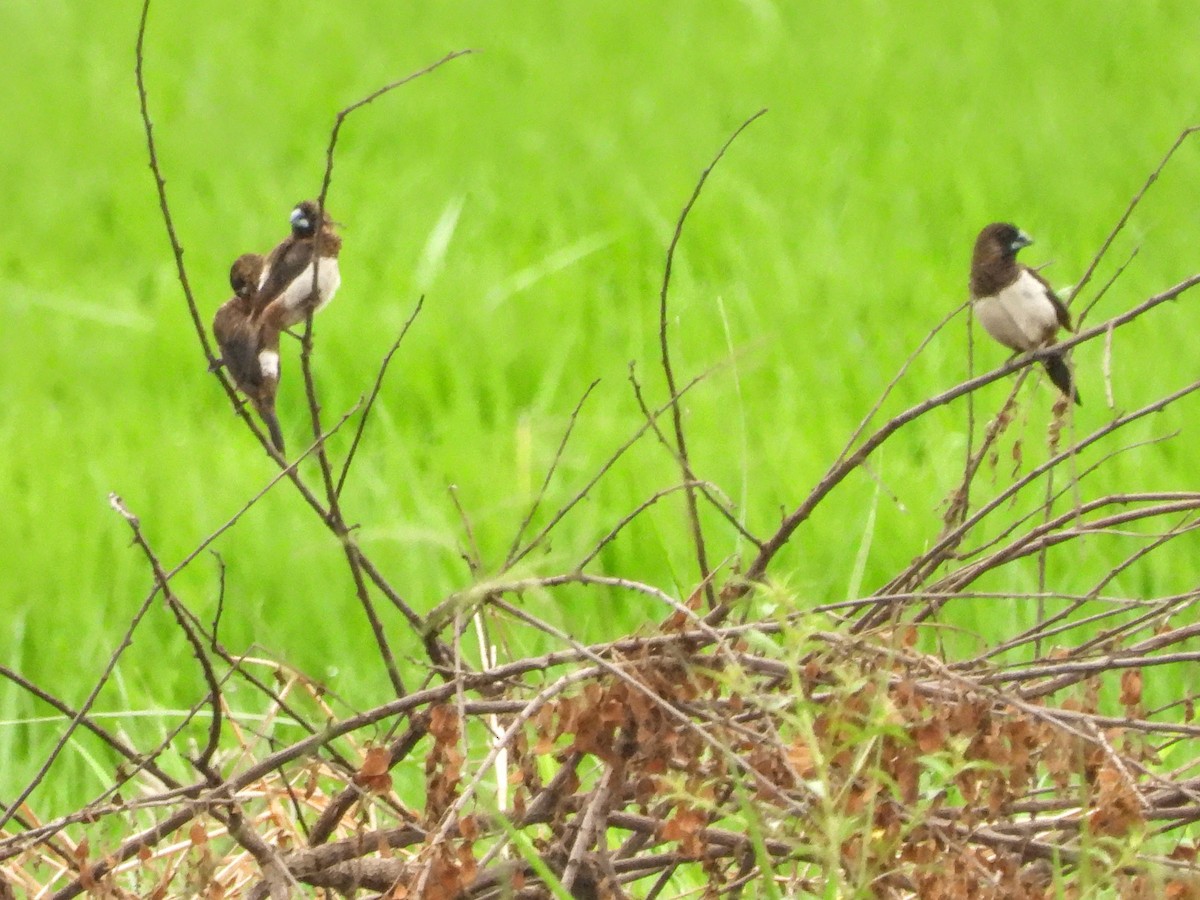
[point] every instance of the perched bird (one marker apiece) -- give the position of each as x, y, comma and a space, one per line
1015, 305
286, 290
240, 338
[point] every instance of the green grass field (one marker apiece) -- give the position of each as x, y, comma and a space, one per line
529, 192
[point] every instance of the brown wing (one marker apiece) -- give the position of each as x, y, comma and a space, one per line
1060, 309
286, 261
237, 336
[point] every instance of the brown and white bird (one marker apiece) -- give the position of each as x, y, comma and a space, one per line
1015, 305
286, 290
240, 338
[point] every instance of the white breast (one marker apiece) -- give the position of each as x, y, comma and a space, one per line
328, 281
268, 362
1021, 316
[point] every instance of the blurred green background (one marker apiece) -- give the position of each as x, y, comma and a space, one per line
529, 192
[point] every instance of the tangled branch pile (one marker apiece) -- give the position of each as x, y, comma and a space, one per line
736, 745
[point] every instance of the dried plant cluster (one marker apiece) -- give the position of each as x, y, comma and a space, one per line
729, 749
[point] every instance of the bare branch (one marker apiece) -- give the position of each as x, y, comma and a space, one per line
664, 346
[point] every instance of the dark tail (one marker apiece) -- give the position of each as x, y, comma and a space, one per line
267, 412
1060, 373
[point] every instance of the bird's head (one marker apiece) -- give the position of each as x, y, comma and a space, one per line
307, 218
1005, 239
245, 273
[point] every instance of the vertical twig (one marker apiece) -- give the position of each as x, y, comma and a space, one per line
664, 347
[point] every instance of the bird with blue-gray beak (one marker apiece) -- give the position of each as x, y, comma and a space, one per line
1016, 305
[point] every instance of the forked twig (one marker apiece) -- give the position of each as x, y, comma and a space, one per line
343, 114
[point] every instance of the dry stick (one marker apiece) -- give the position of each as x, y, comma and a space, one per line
82, 712
202, 762
278, 879
668, 373
1147, 618
370, 98
553, 467
234, 663
287, 471
370, 404
400, 706
355, 558
141, 761
332, 815
709, 490
582, 493
761, 781
1069, 672
160, 182
49, 829
960, 502
1108, 284
903, 370
471, 556
1048, 535
621, 525
962, 498
1012, 490
1045, 628
1119, 227
796, 617
1036, 539
80, 716
163, 579
314, 414
450, 818
306, 342
1044, 555
540, 807
504, 672
589, 831
214, 629
924, 565
271, 763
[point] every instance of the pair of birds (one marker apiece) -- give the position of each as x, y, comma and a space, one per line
1016, 305
273, 293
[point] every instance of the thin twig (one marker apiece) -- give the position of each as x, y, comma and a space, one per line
665, 350
551, 469
370, 404
1133, 204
